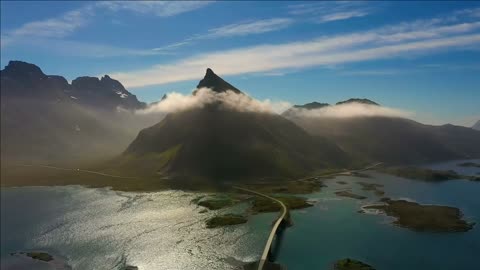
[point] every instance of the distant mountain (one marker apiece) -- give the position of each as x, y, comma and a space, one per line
27, 81
220, 144
477, 125
358, 100
308, 106
46, 119
394, 140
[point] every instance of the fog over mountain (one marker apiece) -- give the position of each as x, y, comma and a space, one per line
477, 125
45, 119
220, 134
369, 131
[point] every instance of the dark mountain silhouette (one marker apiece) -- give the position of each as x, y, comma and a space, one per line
394, 140
219, 144
477, 125
358, 100
217, 84
46, 119
308, 106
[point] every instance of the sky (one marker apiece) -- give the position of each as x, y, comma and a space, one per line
421, 57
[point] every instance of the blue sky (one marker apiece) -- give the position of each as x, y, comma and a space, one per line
422, 57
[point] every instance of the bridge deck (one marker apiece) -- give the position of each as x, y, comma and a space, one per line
268, 245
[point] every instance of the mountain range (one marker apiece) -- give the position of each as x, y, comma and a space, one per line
215, 143
389, 139
47, 120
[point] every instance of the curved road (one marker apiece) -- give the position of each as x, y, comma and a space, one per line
266, 250
275, 227
77, 170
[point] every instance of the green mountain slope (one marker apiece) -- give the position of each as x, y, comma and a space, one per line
394, 140
219, 144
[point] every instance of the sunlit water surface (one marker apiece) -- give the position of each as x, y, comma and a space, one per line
104, 229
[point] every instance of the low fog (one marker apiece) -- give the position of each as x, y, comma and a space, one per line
350, 110
175, 102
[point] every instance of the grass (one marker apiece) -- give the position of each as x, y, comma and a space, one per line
263, 205
288, 187
42, 256
469, 164
431, 218
372, 187
217, 202
226, 220
422, 173
350, 195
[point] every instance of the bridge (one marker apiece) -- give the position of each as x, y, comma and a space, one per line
284, 219
280, 225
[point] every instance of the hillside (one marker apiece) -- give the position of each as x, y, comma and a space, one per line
219, 144
44, 119
393, 139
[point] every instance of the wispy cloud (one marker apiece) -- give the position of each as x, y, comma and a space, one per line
67, 23
322, 12
381, 43
251, 27
158, 8
57, 27
248, 28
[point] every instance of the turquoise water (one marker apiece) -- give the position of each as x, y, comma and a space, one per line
104, 229
333, 229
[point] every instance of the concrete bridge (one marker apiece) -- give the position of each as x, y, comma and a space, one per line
280, 225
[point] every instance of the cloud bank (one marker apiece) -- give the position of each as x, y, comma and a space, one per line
350, 110
175, 102
409, 39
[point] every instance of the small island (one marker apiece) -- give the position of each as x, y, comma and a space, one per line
225, 220
372, 187
423, 174
469, 164
36, 255
350, 195
263, 205
424, 218
217, 202
350, 264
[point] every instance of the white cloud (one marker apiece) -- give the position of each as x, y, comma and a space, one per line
175, 102
248, 28
322, 12
158, 8
381, 43
67, 23
350, 110
82, 49
58, 27
342, 16
236, 29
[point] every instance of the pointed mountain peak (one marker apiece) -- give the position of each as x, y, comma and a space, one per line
217, 84
210, 72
